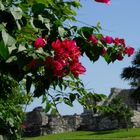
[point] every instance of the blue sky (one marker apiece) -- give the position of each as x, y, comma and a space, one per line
120, 19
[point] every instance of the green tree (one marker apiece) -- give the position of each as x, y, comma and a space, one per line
12, 101
132, 74
117, 109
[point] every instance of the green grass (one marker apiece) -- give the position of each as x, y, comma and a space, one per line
123, 134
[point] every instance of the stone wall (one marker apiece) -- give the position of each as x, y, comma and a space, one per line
39, 123
126, 95
98, 122
59, 124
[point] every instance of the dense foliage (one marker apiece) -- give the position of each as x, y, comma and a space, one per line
39, 48
12, 99
132, 74
117, 109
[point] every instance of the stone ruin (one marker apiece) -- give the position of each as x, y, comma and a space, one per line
40, 123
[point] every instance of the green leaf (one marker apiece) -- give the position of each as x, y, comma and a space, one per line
38, 8
98, 28
39, 91
28, 83
1, 27
4, 50
48, 25
107, 58
72, 97
68, 102
10, 121
11, 59
21, 48
103, 96
58, 99
18, 25
9, 41
45, 21
71, 76
54, 111
86, 31
62, 32
16, 12
32, 24
44, 98
48, 107
2, 6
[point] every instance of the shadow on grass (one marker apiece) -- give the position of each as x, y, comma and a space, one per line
103, 132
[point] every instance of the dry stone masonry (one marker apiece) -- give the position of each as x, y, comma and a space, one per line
39, 123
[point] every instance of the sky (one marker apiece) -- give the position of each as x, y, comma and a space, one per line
120, 19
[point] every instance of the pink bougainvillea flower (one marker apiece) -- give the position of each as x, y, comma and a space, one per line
57, 65
92, 39
39, 43
56, 45
129, 50
71, 48
104, 1
54, 66
61, 61
66, 49
122, 41
108, 39
77, 68
65, 59
116, 41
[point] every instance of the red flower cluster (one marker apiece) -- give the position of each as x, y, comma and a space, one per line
119, 41
115, 48
119, 44
108, 39
39, 43
129, 50
65, 59
92, 39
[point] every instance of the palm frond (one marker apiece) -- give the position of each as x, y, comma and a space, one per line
130, 73
136, 59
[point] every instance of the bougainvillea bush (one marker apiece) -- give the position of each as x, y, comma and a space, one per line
38, 48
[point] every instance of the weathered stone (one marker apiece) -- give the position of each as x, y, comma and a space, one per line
125, 94
136, 119
39, 123
107, 124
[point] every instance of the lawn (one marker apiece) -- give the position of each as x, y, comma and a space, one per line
122, 134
